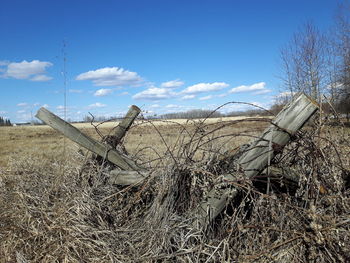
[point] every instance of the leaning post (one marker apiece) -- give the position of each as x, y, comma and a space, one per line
125, 124
288, 121
87, 142
256, 158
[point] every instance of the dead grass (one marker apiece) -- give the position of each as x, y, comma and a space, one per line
55, 209
149, 139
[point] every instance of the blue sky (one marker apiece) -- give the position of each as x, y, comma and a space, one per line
164, 56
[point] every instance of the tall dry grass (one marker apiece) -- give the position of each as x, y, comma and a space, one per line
62, 209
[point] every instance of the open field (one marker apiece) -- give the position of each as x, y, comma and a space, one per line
45, 142
161, 122
56, 207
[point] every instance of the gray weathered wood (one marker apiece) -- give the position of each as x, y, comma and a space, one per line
292, 117
288, 173
286, 178
256, 157
89, 143
125, 124
214, 203
121, 177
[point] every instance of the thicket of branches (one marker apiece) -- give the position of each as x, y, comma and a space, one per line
60, 211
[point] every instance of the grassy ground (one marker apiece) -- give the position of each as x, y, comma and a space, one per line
52, 210
147, 139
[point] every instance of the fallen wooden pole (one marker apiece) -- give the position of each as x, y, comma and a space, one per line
256, 157
291, 118
278, 180
125, 124
85, 141
214, 203
121, 177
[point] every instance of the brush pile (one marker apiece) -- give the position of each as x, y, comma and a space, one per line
55, 211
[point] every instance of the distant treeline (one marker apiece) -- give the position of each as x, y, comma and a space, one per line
5, 122
197, 114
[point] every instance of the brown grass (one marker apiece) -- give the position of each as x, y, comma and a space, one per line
149, 139
57, 207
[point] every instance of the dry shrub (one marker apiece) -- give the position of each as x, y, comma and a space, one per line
57, 211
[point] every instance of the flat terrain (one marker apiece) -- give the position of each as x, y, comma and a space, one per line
147, 139
54, 209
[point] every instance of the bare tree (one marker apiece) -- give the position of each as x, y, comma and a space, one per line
332, 70
342, 44
303, 62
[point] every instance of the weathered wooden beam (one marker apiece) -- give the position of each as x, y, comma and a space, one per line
219, 197
291, 118
288, 173
125, 124
214, 203
284, 179
85, 141
121, 177
256, 157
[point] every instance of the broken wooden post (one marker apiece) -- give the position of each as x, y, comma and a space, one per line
126, 177
284, 179
256, 157
290, 119
89, 143
214, 203
125, 124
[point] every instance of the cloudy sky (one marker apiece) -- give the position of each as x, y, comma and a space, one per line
164, 56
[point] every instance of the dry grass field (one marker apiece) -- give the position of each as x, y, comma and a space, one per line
148, 138
55, 204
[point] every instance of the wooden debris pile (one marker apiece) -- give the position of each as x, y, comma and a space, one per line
281, 198
256, 159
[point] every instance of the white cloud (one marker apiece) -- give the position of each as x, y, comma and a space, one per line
154, 93
46, 106
155, 106
34, 70
22, 104
243, 88
206, 97
103, 92
21, 111
2, 111
188, 97
75, 91
60, 107
263, 91
285, 94
111, 76
172, 106
40, 78
97, 105
124, 93
172, 84
4, 63
205, 87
